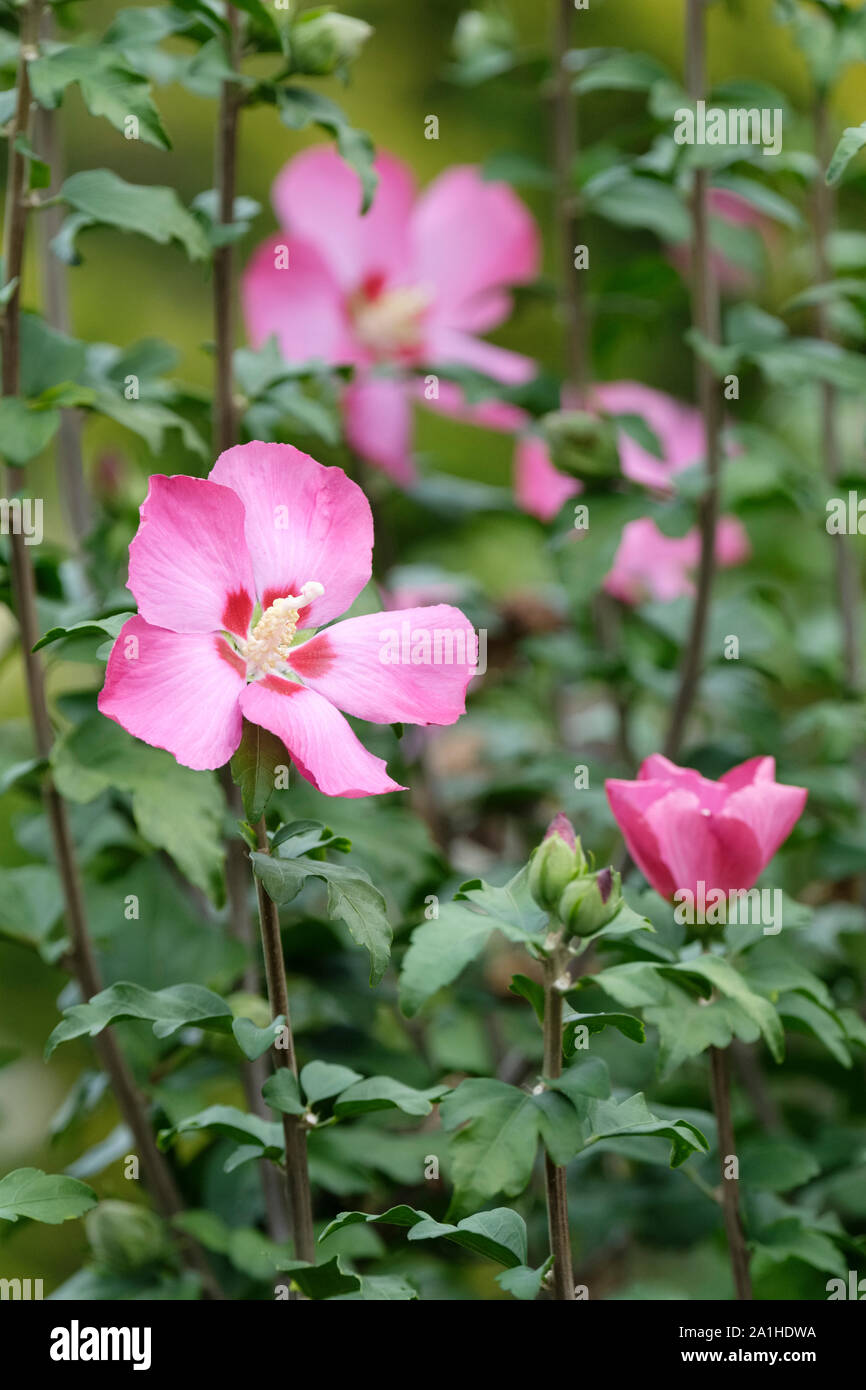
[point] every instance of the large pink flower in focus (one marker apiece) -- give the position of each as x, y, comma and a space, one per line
681, 828
226, 572
414, 281
650, 565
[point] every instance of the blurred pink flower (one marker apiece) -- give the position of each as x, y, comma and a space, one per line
540, 488
650, 565
413, 282
647, 564
678, 428
729, 207
681, 828
225, 571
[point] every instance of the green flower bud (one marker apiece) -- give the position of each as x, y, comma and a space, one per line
581, 444
555, 863
587, 904
126, 1238
324, 42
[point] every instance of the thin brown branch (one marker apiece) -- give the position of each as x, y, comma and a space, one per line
705, 319
720, 1086
847, 574
297, 1174
55, 298
565, 154
129, 1100
224, 423
555, 1177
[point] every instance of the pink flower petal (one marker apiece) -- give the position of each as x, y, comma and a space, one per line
408, 667
677, 427
301, 303
770, 809
753, 770
562, 826
378, 421
317, 196
460, 349
649, 565
697, 845
539, 487
189, 567
732, 542
630, 802
657, 768
178, 691
317, 737
490, 414
303, 522
472, 237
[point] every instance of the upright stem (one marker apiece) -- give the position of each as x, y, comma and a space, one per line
720, 1086
224, 436
225, 428
705, 318
55, 293
82, 957
565, 152
223, 300
554, 1177
847, 576
297, 1174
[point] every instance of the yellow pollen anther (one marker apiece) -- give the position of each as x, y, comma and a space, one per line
269, 643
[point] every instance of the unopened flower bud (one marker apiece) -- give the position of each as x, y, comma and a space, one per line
125, 1237
587, 904
581, 444
555, 863
325, 42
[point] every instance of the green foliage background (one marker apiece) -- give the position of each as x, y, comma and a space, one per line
129, 288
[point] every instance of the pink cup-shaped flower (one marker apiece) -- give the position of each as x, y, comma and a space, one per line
683, 829
414, 281
231, 574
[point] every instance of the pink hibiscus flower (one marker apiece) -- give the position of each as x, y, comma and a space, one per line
650, 565
413, 282
228, 572
681, 828
541, 489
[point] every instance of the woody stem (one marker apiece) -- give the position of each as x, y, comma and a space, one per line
720, 1087
565, 153
224, 436
297, 1173
555, 1177
82, 957
705, 320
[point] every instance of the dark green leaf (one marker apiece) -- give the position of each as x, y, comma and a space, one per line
46, 1197
167, 1009
351, 897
